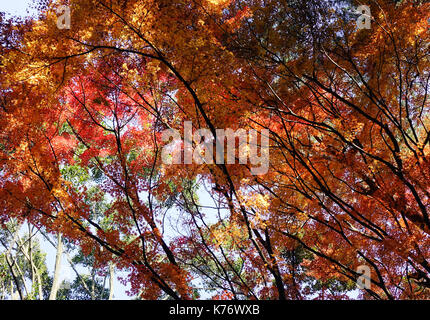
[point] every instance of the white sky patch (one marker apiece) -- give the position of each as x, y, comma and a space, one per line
18, 8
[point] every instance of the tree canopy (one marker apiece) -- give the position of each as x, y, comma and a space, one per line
83, 111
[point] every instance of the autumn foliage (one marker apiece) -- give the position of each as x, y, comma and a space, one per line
348, 114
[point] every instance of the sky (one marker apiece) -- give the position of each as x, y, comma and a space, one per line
20, 8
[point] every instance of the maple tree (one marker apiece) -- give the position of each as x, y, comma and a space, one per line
83, 111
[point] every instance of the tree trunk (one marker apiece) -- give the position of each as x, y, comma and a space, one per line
56, 281
93, 282
111, 276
